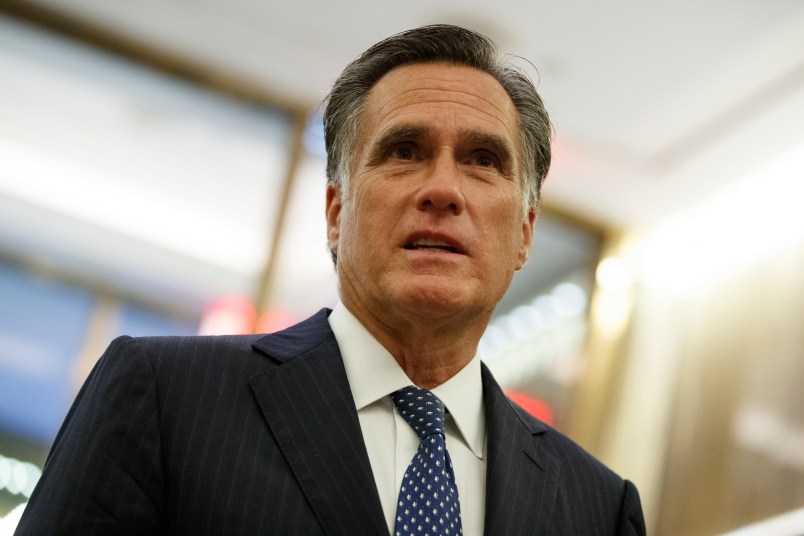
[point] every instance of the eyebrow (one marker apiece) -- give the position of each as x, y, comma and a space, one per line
497, 144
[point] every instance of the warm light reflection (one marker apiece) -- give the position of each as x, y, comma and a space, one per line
612, 312
741, 226
613, 274
770, 434
788, 524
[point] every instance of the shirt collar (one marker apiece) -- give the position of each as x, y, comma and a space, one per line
463, 396
373, 374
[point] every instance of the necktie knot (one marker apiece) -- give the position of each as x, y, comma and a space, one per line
421, 409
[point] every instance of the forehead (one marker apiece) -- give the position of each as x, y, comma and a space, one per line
443, 95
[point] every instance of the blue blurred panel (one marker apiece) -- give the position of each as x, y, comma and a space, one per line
42, 328
139, 322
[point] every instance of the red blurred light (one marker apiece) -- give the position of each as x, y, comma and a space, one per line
273, 321
228, 315
539, 409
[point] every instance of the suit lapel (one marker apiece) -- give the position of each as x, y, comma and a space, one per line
521, 479
310, 410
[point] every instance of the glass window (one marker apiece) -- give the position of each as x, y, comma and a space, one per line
43, 324
137, 179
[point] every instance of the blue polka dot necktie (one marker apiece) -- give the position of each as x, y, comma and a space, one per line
428, 498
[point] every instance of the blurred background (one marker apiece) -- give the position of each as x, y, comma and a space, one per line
162, 172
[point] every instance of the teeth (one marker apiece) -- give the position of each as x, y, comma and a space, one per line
430, 243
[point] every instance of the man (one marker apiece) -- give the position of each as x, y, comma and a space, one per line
436, 153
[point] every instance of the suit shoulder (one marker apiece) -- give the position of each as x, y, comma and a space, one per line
187, 342
173, 351
182, 351
569, 453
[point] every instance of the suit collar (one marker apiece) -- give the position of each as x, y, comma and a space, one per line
309, 408
287, 344
521, 478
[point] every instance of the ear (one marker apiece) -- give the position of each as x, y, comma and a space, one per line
528, 224
333, 214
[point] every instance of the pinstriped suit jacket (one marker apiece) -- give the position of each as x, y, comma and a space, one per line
259, 435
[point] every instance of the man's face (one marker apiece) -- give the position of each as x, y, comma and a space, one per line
433, 224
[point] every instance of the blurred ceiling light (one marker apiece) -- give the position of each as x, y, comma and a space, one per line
8, 524
137, 175
527, 323
570, 299
522, 323
748, 222
492, 342
69, 188
548, 307
17, 477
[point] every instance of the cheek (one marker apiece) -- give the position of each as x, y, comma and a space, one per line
365, 195
375, 212
503, 217
346, 231
505, 242
358, 227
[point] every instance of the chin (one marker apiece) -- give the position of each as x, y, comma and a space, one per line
437, 300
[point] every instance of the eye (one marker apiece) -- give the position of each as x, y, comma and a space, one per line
402, 152
485, 159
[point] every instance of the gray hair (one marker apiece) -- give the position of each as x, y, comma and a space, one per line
434, 44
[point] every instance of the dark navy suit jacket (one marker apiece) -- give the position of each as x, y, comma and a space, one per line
259, 435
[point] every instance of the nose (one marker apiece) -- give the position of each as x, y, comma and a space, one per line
441, 188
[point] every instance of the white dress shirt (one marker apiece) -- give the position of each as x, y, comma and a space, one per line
391, 443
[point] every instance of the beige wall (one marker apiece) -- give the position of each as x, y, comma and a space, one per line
708, 416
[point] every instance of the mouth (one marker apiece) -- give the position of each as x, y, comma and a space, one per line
433, 244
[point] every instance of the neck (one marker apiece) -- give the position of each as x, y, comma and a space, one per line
429, 351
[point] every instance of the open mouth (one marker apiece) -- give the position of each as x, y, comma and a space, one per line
430, 244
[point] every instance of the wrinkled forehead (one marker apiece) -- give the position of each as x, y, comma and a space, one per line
439, 86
